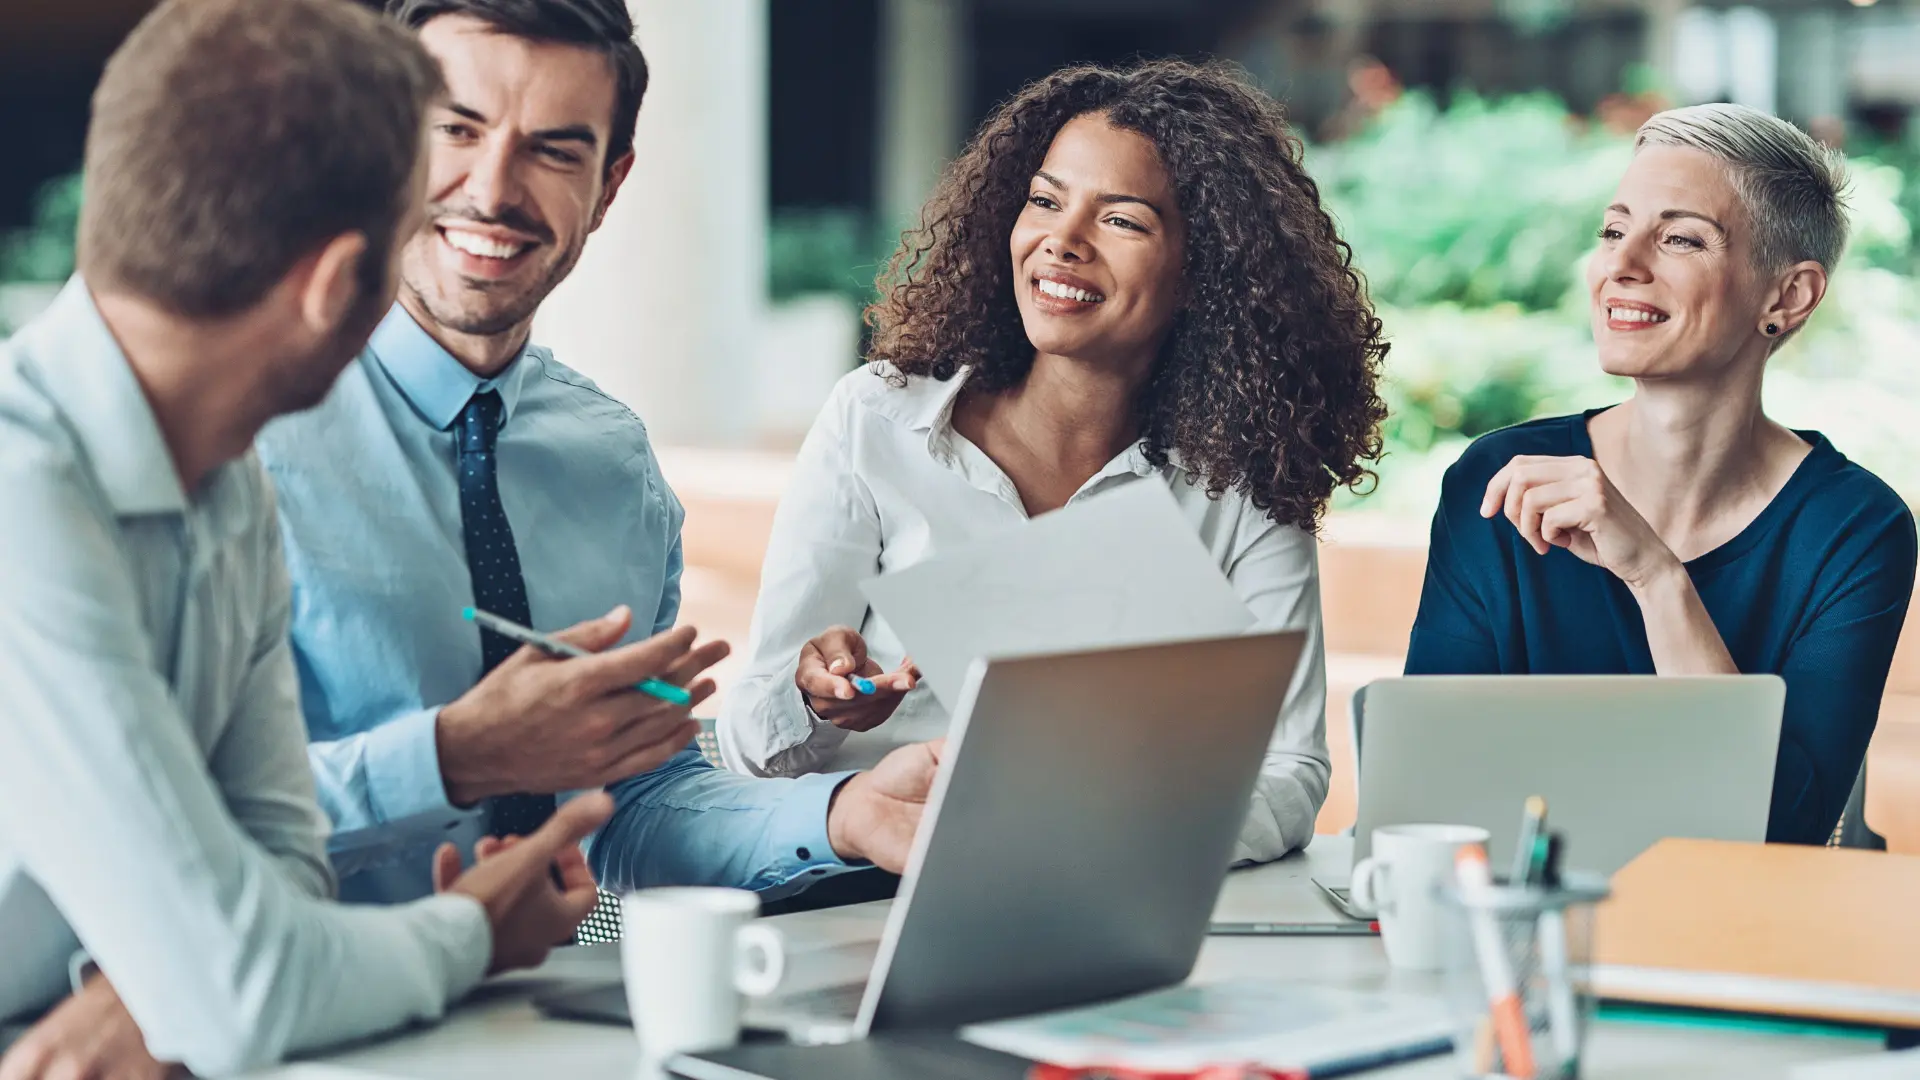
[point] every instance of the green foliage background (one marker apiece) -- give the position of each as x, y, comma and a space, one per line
1471, 224
44, 252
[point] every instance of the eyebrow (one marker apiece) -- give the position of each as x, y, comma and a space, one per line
579, 133
1104, 200
1672, 215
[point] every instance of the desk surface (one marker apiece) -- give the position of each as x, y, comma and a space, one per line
497, 1033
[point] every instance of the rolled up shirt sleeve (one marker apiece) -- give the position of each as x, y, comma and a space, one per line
688, 823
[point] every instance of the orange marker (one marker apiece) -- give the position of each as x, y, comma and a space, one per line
1503, 999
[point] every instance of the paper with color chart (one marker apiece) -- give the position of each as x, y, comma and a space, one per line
1276, 1024
1119, 569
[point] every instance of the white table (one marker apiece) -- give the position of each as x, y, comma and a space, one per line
497, 1033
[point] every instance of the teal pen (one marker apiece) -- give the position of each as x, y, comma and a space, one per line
1525, 862
507, 628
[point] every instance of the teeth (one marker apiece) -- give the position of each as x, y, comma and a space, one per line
1068, 292
482, 246
1634, 315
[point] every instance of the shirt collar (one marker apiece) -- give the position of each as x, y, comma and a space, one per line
88, 377
926, 404
923, 404
433, 382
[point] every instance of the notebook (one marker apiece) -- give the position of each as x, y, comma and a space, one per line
1900, 1065
1780, 929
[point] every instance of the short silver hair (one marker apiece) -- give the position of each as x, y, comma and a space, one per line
1794, 189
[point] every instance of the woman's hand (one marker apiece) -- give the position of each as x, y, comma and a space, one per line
1568, 502
830, 663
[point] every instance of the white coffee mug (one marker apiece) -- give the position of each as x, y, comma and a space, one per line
687, 955
1398, 882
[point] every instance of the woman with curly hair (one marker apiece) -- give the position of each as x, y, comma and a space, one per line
1127, 277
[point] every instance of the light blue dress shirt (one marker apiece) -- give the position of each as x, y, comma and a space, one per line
370, 514
155, 800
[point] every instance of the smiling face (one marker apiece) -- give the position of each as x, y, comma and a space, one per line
517, 177
1098, 248
1673, 287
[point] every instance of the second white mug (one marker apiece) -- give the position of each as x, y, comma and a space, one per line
1398, 881
688, 954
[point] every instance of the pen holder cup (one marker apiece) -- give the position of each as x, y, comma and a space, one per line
1516, 976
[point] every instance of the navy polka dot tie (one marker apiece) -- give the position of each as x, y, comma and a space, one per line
494, 565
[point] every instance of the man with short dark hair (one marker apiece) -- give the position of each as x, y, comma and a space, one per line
249, 170
459, 465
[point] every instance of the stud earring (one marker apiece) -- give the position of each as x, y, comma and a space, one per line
1772, 329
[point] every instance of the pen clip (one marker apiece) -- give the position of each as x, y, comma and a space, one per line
1556, 849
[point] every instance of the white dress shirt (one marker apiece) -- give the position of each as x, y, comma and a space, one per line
156, 806
884, 482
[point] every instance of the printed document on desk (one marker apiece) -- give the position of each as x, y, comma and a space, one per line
1116, 570
1277, 1024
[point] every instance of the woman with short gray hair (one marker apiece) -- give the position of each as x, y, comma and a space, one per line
1682, 532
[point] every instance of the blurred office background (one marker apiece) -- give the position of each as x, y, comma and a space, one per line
1466, 147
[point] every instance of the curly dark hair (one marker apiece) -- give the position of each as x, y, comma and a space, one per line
1267, 382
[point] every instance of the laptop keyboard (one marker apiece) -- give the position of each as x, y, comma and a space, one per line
829, 1002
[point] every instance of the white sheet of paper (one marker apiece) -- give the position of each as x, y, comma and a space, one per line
1119, 569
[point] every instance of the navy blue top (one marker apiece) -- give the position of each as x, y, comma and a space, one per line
1814, 590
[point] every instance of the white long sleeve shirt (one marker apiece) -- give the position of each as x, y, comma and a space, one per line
883, 482
156, 807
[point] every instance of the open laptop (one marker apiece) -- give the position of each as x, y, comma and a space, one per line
1074, 842
1622, 760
